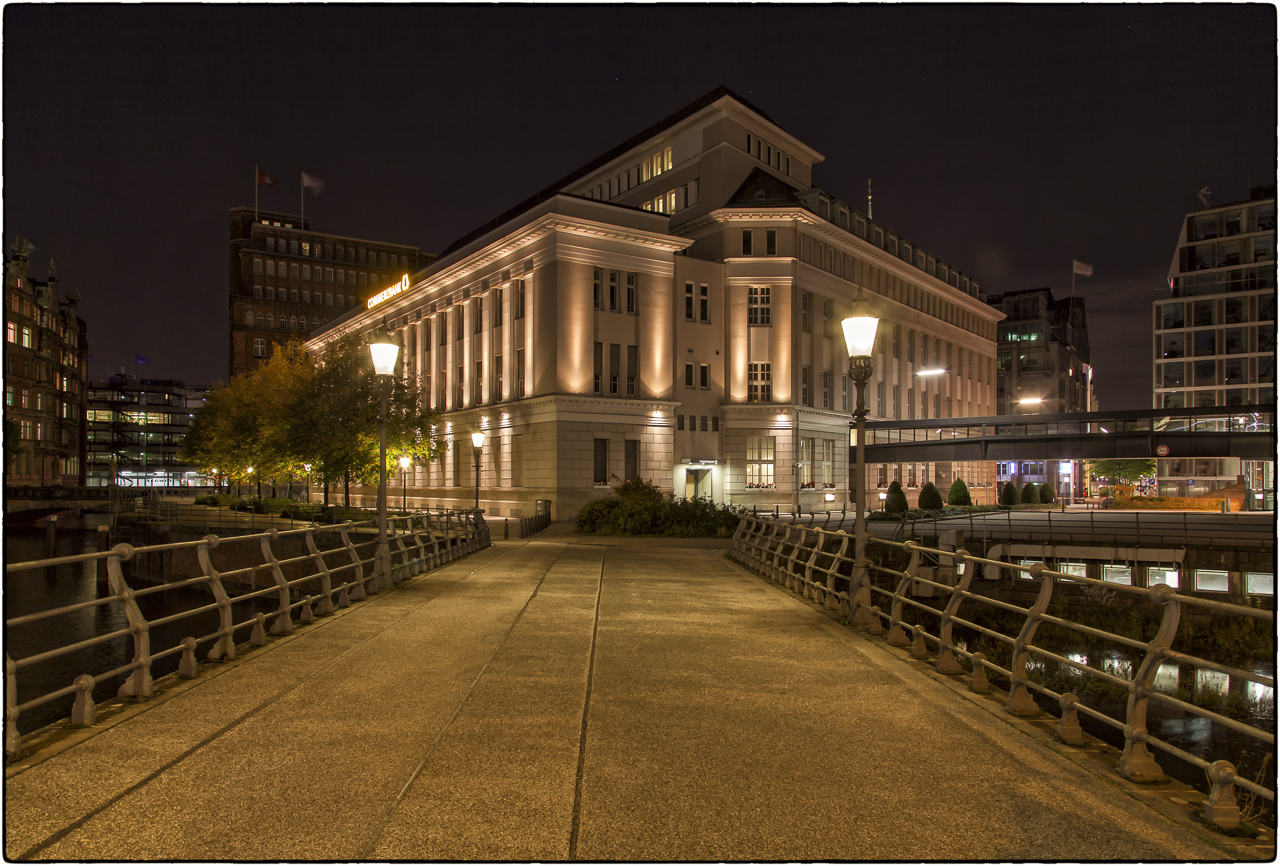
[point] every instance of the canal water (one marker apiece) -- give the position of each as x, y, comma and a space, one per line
40, 589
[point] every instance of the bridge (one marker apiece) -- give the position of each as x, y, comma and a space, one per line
566, 697
1247, 432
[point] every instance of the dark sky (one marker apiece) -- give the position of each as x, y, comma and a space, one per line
1006, 140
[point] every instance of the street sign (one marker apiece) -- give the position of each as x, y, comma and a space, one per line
1162, 450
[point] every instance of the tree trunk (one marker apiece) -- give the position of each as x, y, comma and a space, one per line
346, 487
326, 493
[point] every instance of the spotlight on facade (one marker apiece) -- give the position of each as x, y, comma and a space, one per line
938, 371
1029, 400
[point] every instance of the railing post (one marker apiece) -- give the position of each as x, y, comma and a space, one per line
1221, 807
138, 683
284, 622
947, 663
326, 584
225, 645
1136, 762
12, 739
358, 579
1020, 702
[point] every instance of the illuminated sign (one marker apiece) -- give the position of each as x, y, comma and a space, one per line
389, 293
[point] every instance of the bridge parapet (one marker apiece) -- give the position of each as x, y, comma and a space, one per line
918, 597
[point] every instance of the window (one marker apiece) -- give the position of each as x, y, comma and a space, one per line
804, 386
259, 348
517, 304
11, 332
600, 463
1259, 583
1120, 574
614, 362
771, 242
633, 367
613, 291
746, 242
760, 450
328, 298
688, 375
519, 373
688, 302
826, 390
680, 422
631, 459
824, 454
477, 316
328, 275
758, 305
759, 383
597, 289
897, 336
631, 293
259, 321
257, 266
804, 311
704, 376
1210, 580
704, 310
598, 362
26, 340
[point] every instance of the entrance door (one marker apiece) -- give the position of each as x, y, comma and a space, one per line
697, 482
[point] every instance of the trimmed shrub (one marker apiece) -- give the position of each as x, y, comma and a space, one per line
1009, 495
930, 498
1046, 494
637, 507
896, 501
959, 493
1030, 494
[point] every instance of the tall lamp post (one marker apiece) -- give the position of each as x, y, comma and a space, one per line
860, 340
404, 467
385, 351
477, 442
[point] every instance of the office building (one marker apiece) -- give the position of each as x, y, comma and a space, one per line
45, 366
135, 432
287, 280
1215, 334
671, 311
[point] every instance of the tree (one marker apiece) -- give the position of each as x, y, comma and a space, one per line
1131, 470
12, 441
1009, 494
959, 493
1030, 494
1046, 494
895, 500
930, 498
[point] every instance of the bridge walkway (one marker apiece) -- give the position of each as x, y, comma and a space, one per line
568, 698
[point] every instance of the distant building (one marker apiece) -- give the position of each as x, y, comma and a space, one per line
135, 432
1215, 333
46, 363
670, 311
287, 280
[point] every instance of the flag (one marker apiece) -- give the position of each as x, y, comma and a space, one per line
314, 182
1081, 268
138, 359
264, 180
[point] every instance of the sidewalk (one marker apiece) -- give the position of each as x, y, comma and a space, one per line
566, 697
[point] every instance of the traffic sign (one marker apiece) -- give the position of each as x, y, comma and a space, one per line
1162, 450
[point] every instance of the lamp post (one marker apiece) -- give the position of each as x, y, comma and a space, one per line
306, 483
477, 442
860, 340
385, 351
404, 467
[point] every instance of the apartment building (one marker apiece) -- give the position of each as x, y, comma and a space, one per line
670, 311
287, 280
135, 432
1215, 333
46, 363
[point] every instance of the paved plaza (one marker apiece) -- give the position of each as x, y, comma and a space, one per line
565, 697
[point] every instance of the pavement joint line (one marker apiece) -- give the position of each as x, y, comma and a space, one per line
374, 837
586, 710
1233, 847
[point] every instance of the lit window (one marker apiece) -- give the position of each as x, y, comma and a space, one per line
1120, 574
1260, 583
26, 338
11, 332
671, 202
1211, 580
760, 453
758, 305
759, 383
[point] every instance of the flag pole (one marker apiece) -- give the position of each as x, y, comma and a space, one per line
302, 202
255, 192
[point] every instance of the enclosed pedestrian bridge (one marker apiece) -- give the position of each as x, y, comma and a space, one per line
1247, 432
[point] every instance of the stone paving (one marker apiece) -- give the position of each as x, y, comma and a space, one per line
566, 697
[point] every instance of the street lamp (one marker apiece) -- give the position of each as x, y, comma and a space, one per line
404, 467
477, 442
306, 483
385, 351
860, 340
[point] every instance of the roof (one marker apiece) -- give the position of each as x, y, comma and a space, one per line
635, 140
763, 189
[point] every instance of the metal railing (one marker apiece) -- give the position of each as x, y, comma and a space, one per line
525, 526
818, 563
338, 568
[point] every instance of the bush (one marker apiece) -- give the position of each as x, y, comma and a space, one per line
1030, 494
930, 498
959, 493
1046, 494
896, 501
637, 507
1009, 495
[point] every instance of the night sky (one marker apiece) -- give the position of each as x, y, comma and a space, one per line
1006, 140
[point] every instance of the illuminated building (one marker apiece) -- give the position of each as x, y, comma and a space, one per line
135, 432
1215, 335
287, 280
45, 365
670, 312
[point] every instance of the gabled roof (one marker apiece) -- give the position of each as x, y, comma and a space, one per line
763, 189
635, 141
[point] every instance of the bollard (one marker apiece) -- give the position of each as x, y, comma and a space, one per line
51, 534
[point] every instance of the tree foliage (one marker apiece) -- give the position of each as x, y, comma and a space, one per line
12, 441
1009, 494
295, 411
895, 501
1030, 493
930, 498
1129, 470
959, 493
1046, 494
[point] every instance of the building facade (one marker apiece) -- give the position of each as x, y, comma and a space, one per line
45, 368
287, 280
1042, 368
671, 312
135, 432
1215, 334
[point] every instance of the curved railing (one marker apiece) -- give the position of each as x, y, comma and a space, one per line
818, 563
338, 568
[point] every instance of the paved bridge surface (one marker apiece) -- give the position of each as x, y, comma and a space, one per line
568, 698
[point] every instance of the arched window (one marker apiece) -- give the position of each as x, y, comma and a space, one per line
315, 321
293, 323
271, 321
248, 319
259, 318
